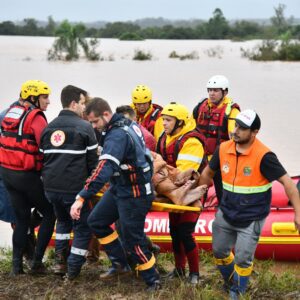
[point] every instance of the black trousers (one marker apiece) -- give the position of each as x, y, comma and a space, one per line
25, 189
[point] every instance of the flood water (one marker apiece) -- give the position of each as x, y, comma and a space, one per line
271, 88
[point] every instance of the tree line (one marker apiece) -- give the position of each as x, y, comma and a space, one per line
217, 27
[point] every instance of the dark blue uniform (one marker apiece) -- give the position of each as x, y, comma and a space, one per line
70, 154
127, 165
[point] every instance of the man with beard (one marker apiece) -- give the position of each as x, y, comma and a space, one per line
247, 167
126, 164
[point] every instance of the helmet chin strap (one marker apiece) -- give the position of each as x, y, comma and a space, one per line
176, 126
34, 103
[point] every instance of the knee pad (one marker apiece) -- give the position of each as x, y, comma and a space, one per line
224, 261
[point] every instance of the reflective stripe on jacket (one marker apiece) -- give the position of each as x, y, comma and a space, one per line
184, 150
246, 192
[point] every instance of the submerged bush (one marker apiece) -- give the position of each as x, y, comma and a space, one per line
191, 55
269, 50
141, 55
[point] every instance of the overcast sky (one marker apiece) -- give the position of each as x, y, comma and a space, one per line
123, 10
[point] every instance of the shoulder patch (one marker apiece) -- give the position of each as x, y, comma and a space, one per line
58, 137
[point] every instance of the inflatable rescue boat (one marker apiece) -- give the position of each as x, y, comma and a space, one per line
279, 239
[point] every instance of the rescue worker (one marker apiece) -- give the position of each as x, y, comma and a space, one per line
6, 210
248, 167
21, 165
214, 117
126, 163
182, 147
129, 113
70, 154
147, 113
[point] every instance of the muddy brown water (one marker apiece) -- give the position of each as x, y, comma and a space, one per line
271, 88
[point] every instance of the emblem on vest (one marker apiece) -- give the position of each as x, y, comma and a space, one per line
247, 171
57, 138
137, 130
225, 167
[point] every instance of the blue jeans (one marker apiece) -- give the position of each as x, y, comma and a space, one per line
62, 203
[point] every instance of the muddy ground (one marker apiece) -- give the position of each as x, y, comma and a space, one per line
270, 280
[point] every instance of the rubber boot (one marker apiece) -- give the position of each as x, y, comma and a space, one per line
240, 282
227, 274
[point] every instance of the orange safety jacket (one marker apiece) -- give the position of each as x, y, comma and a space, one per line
246, 192
213, 123
18, 147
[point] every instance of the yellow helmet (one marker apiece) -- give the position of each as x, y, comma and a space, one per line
179, 111
34, 88
141, 94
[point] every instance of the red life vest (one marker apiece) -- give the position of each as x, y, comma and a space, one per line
213, 123
18, 147
149, 121
170, 153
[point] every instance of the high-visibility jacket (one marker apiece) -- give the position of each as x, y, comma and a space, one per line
246, 192
19, 149
212, 121
183, 150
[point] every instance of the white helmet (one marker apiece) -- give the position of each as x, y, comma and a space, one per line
218, 82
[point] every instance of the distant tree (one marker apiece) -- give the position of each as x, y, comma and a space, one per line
69, 39
130, 36
30, 27
50, 27
8, 28
116, 29
279, 21
245, 29
217, 26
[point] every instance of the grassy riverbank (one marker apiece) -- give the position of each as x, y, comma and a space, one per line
270, 280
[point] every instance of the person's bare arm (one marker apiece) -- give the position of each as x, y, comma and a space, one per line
293, 195
206, 176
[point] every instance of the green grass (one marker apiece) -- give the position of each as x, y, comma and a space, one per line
265, 282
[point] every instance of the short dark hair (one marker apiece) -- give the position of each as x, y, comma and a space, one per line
71, 93
98, 106
126, 109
